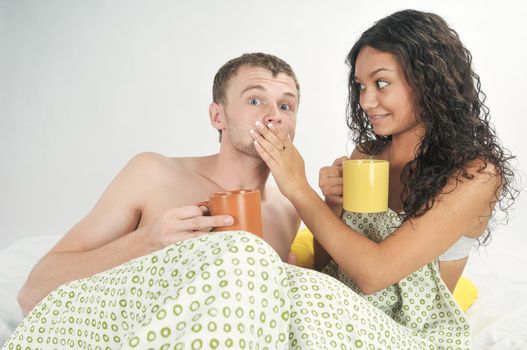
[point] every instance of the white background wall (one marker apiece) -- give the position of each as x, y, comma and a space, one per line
85, 85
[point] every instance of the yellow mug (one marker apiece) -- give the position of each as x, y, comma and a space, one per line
366, 185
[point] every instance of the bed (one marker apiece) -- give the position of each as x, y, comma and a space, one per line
498, 316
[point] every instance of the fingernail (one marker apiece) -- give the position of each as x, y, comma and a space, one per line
251, 131
259, 125
228, 221
269, 125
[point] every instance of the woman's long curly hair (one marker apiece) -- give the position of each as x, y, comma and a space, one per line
449, 103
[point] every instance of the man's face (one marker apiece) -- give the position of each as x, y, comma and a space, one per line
253, 94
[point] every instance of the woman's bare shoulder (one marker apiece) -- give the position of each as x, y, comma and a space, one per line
480, 172
358, 153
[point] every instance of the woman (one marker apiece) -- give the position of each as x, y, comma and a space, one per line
415, 101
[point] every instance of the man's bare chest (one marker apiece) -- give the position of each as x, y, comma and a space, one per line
167, 196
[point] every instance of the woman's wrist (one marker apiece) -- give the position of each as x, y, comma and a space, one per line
335, 207
301, 194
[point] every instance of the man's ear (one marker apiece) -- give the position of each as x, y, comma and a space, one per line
217, 116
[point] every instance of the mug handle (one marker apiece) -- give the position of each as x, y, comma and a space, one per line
204, 204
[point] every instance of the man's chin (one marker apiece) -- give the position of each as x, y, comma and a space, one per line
251, 152
248, 150
255, 155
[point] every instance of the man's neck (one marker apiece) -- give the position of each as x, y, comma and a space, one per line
231, 170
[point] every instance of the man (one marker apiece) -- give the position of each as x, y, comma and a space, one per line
149, 204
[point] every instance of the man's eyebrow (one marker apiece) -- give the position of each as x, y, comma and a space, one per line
290, 94
377, 71
260, 87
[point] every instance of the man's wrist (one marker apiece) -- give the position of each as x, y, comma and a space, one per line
145, 239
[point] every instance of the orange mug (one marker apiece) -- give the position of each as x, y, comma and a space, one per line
243, 205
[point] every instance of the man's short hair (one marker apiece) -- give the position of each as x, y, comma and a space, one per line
272, 63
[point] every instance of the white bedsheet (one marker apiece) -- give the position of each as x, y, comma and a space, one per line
16, 261
499, 315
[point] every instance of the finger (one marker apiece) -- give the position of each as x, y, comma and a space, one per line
280, 133
329, 188
186, 212
203, 223
218, 221
335, 181
338, 162
330, 172
334, 191
335, 199
205, 211
267, 150
291, 258
269, 135
266, 156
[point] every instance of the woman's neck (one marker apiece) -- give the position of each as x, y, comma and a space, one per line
404, 147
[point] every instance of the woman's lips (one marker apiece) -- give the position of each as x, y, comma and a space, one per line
376, 117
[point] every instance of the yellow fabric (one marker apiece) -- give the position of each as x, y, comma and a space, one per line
303, 249
465, 292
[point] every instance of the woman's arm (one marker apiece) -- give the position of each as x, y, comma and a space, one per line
331, 183
374, 266
463, 207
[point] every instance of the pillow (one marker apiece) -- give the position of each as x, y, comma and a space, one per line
303, 248
465, 292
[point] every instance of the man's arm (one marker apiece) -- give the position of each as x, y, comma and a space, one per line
59, 267
109, 235
98, 242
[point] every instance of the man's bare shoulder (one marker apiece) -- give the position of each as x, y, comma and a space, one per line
158, 165
153, 171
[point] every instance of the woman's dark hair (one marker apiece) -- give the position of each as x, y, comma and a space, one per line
449, 103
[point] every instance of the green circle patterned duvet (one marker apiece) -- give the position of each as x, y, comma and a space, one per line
230, 290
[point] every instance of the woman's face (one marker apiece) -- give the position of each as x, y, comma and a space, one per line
385, 95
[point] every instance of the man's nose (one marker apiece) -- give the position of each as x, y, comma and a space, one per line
273, 115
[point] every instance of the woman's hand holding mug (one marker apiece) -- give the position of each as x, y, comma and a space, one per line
331, 183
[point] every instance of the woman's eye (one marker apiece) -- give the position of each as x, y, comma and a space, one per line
285, 107
381, 84
360, 86
255, 101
